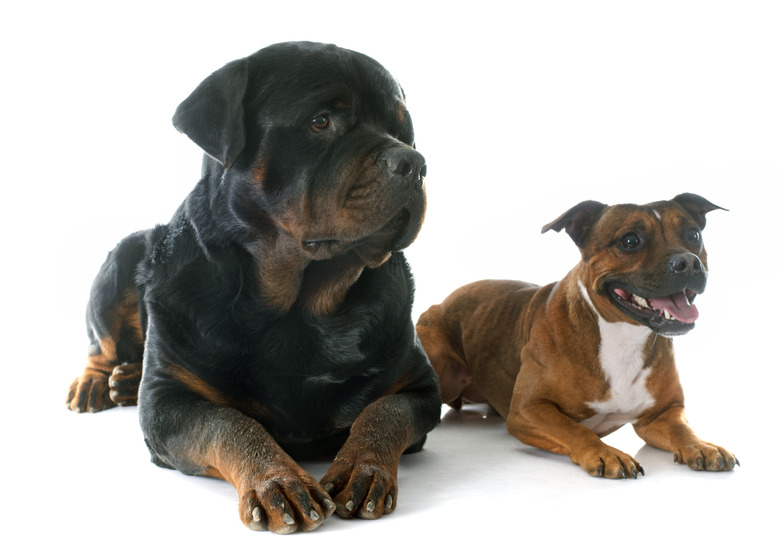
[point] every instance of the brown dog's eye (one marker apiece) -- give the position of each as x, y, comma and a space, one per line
630, 242
693, 236
320, 123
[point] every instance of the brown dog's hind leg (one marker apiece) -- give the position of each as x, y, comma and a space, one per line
454, 376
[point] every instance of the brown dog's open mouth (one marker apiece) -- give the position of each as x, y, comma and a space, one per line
667, 314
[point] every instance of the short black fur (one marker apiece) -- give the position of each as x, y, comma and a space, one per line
275, 306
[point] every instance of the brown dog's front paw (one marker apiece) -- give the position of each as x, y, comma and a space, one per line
123, 384
706, 457
363, 488
89, 392
609, 463
283, 500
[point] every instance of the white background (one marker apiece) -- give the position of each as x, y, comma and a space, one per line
522, 110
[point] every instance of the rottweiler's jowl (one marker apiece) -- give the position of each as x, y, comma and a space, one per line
271, 318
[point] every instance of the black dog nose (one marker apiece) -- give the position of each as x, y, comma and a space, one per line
685, 264
406, 162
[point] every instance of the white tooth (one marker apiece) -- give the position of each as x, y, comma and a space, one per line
668, 315
641, 301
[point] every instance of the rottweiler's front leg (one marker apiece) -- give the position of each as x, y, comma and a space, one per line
363, 478
199, 437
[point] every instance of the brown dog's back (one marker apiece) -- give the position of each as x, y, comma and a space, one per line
451, 335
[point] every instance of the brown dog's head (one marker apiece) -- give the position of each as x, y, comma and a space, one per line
644, 264
310, 150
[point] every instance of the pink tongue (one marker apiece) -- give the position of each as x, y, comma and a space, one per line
678, 306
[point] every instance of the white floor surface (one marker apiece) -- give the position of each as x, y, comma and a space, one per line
84, 483
522, 110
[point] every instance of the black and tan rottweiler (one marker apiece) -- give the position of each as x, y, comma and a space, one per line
271, 318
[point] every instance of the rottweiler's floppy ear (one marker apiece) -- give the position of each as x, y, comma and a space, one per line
213, 115
577, 220
696, 206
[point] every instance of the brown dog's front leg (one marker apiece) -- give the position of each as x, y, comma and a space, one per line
363, 477
544, 426
670, 431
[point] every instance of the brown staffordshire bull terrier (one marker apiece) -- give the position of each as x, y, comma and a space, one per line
573, 361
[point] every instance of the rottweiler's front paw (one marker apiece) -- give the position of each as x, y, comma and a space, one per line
89, 392
610, 463
704, 456
364, 487
283, 499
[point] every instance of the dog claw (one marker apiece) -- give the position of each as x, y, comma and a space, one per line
314, 515
288, 519
389, 503
371, 506
349, 505
257, 523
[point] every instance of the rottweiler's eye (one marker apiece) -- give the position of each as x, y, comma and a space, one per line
693, 236
630, 242
320, 123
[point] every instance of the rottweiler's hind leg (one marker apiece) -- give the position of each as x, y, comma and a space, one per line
123, 384
115, 330
104, 383
89, 392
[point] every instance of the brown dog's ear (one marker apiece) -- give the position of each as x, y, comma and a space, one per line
213, 115
577, 220
696, 206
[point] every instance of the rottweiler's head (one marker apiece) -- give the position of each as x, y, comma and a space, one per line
311, 148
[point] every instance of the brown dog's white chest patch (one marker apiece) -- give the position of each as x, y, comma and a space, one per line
621, 355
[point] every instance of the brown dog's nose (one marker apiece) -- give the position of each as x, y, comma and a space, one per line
406, 162
685, 264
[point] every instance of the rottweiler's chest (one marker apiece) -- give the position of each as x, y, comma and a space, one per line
301, 376
299, 363
309, 383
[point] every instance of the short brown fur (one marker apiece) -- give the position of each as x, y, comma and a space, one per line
534, 353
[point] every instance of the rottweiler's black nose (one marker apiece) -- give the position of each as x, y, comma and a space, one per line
406, 162
685, 264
